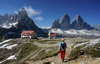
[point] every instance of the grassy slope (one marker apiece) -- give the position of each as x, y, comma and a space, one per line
43, 54
94, 51
26, 50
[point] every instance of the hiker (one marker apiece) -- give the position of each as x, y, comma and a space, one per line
62, 49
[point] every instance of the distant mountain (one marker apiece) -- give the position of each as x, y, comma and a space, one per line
77, 23
56, 24
15, 24
65, 21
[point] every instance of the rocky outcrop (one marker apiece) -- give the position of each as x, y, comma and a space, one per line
56, 24
17, 23
65, 21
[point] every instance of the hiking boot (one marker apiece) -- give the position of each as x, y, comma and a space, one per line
62, 60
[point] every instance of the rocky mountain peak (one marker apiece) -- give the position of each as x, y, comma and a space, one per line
23, 13
77, 23
78, 19
64, 18
6, 15
57, 20
65, 21
56, 24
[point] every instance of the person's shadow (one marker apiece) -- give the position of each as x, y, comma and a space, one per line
67, 60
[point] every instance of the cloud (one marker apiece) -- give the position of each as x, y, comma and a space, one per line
31, 12
16, 12
45, 27
97, 26
39, 18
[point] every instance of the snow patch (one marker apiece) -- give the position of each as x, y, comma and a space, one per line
47, 50
92, 43
8, 46
11, 46
14, 24
9, 58
9, 25
5, 41
95, 49
3, 46
77, 45
6, 26
98, 58
57, 31
11, 18
76, 32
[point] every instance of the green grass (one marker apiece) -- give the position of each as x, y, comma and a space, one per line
94, 51
80, 42
26, 50
43, 54
1, 40
76, 52
51, 41
33, 40
8, 61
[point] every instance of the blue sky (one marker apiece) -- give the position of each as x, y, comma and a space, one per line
44, 12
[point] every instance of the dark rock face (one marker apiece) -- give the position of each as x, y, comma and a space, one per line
65, 22
56, 24
77, 23
18, 23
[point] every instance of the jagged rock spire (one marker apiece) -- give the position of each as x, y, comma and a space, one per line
22, 13
65, 21
77, 23
56, 24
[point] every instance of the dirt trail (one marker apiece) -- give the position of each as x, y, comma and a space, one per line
45, 45
57, 59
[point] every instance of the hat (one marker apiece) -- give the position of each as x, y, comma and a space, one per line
62, 39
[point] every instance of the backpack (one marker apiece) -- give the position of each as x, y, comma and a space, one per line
62, 46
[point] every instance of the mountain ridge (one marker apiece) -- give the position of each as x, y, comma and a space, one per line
77, 23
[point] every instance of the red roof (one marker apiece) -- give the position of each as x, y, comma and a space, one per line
53, 34
27, 32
